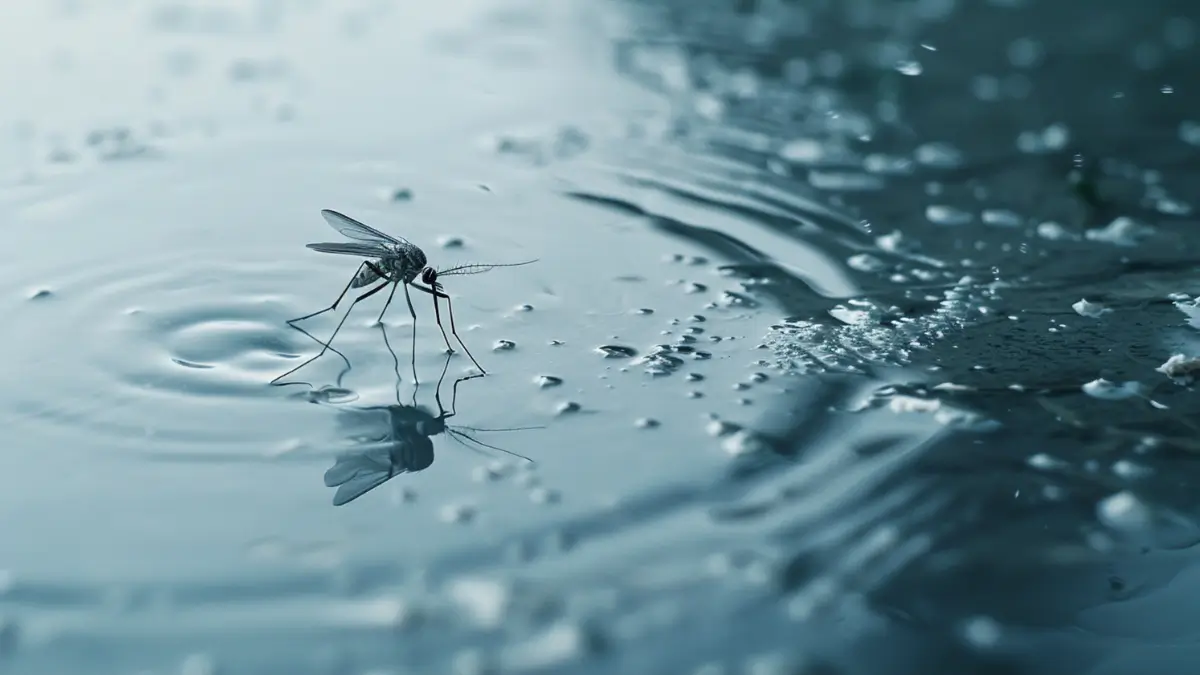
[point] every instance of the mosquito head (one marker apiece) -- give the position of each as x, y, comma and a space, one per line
430, 277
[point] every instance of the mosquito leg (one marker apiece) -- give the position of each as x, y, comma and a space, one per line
437, 394
395, 359
450, 311
413, 351
326, 345
437, 314
292, 322
388, 303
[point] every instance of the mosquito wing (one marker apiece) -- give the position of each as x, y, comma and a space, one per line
353, 229
378, 250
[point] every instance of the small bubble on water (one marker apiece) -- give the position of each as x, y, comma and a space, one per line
504, 346
41, 294
450, 241
982, 632
694, 377
910, 68
732, 299
644, 311
697, 318
556, 343
457, 513
567, 407
616, 351
544, 495
743, 442
695, 394
694, 287
199, 664
547, 381
646, 423
865, 262
939, 155
400, 195
524, 308
741, 386
947, 215
1001, 218
759, 377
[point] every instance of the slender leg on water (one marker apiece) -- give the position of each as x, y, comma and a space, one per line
292, 322
395, 359
388, 303
437, 315
413, 313
454, 331
437, 393
326, 345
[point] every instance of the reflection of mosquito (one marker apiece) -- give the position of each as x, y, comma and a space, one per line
396, 439
396, 262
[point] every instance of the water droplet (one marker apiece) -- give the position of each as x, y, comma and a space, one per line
524, 308
547, 381
542, 495
504, 346
458, 513
1001, 218
947, 215
718, 428
694, 377
567, 407
910, 68
1090, 309
449, 241
939, 155
697, 318
659, 363
732, 299
41, 294
643, 311
1124, 511
695, 394
758, 377
199, 664
694, 287
982, 632
402, 195
646, 423
1112, 391
616, 351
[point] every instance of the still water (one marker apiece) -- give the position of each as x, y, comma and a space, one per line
858, 339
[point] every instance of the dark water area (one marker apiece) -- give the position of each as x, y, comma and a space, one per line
860, 338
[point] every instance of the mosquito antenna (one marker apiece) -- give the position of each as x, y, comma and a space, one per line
479, 429
458, 435
478, 268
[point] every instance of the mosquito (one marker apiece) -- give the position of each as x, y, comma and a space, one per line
392, 261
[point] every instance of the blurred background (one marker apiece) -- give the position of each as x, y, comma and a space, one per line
860, 338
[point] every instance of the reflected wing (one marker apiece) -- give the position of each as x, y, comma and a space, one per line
361, 250
357, 487
353, 229
357, 473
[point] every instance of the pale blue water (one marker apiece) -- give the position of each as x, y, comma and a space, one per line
800, 367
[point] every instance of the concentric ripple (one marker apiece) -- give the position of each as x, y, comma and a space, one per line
175, 351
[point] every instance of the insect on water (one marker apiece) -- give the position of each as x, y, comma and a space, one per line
391, 261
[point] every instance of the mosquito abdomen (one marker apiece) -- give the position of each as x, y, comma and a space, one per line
365, 276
